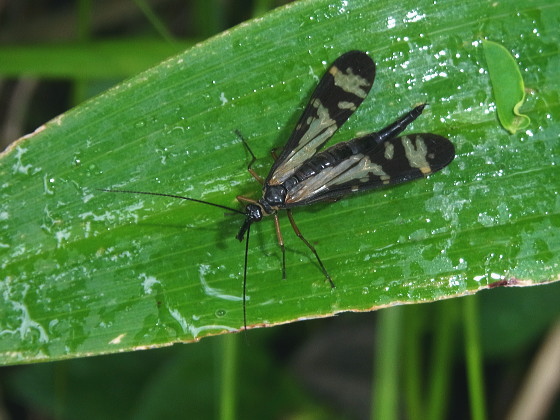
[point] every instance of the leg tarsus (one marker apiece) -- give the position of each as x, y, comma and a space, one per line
253, 157
255, 175
311, 247
281, 243
243, 199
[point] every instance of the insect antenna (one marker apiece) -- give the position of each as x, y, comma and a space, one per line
174, 196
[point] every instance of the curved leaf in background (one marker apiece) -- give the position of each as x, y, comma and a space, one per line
85, 272
508, 87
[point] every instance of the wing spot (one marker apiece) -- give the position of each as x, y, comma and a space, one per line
334, 70
347, 105
389, 150
350, 82
416, 153
360, 164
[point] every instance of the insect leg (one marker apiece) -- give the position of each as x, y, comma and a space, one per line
243, 199
281, 243
253, 158
311, 247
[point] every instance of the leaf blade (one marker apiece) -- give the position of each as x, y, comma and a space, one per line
86, 273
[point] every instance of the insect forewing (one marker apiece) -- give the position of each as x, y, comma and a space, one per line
341, 90
394, 161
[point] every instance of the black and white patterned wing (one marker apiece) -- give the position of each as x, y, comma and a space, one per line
339, 93
397, 160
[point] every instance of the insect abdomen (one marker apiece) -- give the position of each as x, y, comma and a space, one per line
326, 159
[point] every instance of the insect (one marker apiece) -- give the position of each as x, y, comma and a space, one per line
302, 175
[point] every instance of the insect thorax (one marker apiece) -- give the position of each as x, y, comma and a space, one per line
274, 197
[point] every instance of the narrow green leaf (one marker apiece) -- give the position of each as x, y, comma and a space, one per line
90, 60
85, 272
507, 85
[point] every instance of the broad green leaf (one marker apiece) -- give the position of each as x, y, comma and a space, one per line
86, 272
507, 85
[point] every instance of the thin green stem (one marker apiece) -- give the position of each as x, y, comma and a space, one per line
474, 358
209, 17
228, 374
155, 21
387, 365
260, 7
412, 374
84, 20
79, 91
440, 372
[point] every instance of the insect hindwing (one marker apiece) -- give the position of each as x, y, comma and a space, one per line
394, 161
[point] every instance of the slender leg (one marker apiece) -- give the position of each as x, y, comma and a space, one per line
311, 247
255, 175
253, 158
281, 243
243, 199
